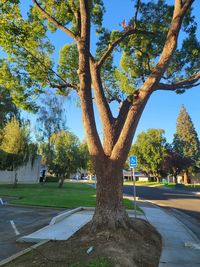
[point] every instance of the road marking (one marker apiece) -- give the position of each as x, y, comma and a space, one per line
192, 245
1, 201
14, 227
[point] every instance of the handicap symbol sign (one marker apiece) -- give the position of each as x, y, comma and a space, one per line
132, 161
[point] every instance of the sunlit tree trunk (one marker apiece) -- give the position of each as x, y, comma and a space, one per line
185, 177
110, 212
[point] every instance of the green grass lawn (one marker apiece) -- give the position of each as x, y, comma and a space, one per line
143, 183
189, 186
192, 186
72, 195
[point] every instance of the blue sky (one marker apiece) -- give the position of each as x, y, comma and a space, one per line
163, 107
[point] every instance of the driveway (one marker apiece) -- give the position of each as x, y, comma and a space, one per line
16, 221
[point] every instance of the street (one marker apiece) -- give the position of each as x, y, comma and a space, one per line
184, 206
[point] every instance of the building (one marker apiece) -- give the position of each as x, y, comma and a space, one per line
139, 176
29, 173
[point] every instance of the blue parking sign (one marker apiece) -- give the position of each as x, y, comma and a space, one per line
132, 161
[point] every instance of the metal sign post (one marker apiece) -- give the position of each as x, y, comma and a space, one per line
133, 164
134, 191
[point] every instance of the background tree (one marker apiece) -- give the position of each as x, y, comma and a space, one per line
86, 160
175, 163
15, 148
50, 120
7, 108
66, 155
84, 154
150, 61
186, 142
150, 149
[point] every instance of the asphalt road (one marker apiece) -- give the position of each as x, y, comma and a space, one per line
18, 221
184, 206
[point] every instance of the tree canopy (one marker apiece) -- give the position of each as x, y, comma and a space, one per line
15, 147
150, 149
50, 120
186, 141
66, 156
7, 108
28, 66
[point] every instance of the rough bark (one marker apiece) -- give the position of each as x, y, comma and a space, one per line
110, 212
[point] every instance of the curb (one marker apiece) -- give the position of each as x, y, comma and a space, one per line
64, 215
161, 206
32, 206
195, 237
178, 191
18, 254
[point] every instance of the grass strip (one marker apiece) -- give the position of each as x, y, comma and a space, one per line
72, 195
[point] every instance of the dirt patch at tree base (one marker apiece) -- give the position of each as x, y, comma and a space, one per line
138, 246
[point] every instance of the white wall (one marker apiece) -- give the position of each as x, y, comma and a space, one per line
25, 174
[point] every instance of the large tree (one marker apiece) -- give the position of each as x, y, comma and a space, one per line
151, 61
186, 142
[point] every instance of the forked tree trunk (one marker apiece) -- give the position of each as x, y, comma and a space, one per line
110, 212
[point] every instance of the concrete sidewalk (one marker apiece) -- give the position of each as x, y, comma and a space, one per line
65, 226
180, 247
62, 229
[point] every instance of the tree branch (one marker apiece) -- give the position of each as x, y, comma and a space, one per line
119, 124
124, 34
136, 13
151, 83
103, 107
180, 10
130, 121
59, 86
184, 84
64, 86
85, 93
54, 21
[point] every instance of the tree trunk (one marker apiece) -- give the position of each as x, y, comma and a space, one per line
110, 213
60, 183
15, 180
157, 179
175, 178
185, 177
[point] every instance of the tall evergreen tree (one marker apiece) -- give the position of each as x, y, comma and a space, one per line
186, 141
